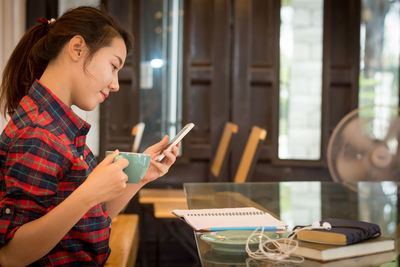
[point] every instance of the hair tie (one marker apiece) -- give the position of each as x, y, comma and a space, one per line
45, 21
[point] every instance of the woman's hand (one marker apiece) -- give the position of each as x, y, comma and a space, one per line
107, 181
160, 168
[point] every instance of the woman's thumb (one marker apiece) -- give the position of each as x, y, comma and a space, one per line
109, 158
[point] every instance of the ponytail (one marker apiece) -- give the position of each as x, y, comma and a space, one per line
43, 42
20, 70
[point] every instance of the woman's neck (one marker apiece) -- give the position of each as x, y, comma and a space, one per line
56, 80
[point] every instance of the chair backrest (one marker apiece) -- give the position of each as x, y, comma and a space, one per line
222, 149
249, 156
137, 133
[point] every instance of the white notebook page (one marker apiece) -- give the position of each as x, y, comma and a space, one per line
204, 219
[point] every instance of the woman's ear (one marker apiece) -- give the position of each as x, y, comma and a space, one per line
77, 48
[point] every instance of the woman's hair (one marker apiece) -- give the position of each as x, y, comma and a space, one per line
43, 42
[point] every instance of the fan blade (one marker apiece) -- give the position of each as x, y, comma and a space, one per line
354, 135
394, 129
351, 170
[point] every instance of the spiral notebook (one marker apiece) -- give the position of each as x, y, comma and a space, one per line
248, 218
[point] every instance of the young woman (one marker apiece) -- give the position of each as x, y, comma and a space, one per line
56, 205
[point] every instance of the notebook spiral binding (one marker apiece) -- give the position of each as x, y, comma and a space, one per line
227, 213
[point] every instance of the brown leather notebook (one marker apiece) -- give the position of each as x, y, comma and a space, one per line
343, 232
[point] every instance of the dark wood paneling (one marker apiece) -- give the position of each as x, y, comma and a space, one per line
199, 112
221, 77
206, 90
261, 110
342, 28
40, 9
201, 25
262, 75
340, 64
339, 95
126, 12
240, 78
255, 69
262, 21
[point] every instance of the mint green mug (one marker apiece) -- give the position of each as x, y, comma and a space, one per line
138, 165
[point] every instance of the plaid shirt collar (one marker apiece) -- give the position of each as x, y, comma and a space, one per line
66, 119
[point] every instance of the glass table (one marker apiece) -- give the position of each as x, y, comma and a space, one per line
296, 203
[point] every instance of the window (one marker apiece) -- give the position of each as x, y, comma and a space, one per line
379, 52
300, 79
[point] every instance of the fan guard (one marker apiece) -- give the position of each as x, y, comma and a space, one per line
364, 146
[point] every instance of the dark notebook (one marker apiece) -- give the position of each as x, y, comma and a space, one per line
343, 232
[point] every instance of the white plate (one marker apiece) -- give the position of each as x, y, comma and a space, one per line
232, 241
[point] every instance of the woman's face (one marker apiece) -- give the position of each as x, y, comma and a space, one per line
100, 76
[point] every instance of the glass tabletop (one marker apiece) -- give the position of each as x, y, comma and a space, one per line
296, 203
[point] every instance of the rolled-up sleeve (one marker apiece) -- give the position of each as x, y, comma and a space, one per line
32, 170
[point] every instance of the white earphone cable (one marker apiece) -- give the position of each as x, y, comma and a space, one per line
280, 249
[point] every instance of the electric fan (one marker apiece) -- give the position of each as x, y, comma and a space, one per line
364, 146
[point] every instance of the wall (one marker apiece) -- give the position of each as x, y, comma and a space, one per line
12, 27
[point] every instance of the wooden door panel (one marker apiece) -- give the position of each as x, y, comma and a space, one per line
341, 64
340, 96
255, 73
263, 34
206, 75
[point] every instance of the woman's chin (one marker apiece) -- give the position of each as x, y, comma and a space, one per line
88, 107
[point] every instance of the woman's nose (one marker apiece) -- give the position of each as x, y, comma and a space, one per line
114, 86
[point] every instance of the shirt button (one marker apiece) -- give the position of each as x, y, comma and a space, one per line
7, 211
81, 157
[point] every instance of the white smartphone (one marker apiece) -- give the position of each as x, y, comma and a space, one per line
177, 139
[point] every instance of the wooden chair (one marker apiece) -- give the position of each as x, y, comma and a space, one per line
166, 200
137, 133
250, 154
223, 148
124, 241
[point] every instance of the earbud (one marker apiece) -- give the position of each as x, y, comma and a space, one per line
317, 225
327, 226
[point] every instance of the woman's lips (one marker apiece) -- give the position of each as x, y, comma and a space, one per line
104, 96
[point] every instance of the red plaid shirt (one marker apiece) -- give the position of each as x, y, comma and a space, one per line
43, 158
